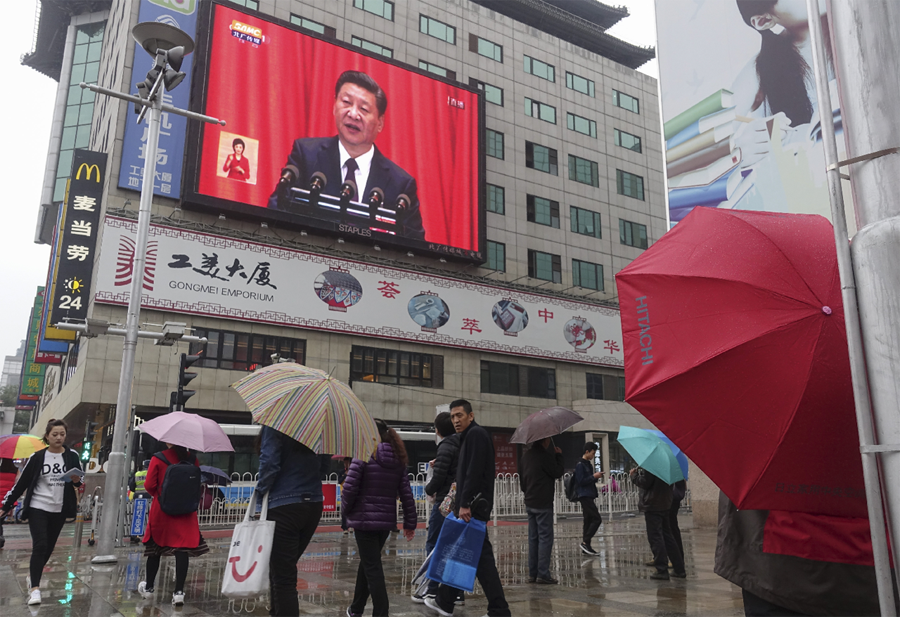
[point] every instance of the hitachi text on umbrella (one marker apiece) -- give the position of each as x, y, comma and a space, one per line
644, 322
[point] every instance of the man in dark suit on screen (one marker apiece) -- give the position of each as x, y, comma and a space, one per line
359, 107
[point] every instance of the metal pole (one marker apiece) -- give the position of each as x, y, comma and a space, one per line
116, 470
851, 316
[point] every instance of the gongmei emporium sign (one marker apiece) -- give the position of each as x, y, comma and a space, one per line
203, 274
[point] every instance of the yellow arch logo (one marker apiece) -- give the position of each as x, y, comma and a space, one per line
89, 169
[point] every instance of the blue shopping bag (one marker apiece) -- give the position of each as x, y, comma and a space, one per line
456, 554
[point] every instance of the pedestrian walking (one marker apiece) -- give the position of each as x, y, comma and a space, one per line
291, 475
655, 502
443, 477
369, 504
542, 466
49, 477
586, 490
679, 490
475, 474
172, 481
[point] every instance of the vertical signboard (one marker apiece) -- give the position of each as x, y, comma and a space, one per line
742, 120
504, 454
48, 331
48, 352
183, 15
77, 238
32, 385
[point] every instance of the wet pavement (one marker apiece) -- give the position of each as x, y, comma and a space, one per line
614, 583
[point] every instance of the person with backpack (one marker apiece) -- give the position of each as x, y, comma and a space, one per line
369, 506
584, 483
173, 480
540, 469
50, 477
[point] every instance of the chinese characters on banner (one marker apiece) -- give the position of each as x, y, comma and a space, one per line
32, 380
77, 239
170, 156
504, 454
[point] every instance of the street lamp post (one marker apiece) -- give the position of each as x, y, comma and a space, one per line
167, 45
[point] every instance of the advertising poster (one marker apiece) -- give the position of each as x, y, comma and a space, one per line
293, 117
505, 459
741, 115
32, 380
205, 274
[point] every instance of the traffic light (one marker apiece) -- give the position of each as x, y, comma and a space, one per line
87, 444
184, 378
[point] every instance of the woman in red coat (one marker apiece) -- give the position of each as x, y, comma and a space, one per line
167, 535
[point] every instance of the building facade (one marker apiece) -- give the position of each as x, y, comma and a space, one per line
573, 189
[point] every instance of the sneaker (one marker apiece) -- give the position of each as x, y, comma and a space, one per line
420, 599
460, 601
546, 581
352, 614
660, 576
587, 550
178, 598
433, 605
35, 597
650, 564
679, 574
146, 592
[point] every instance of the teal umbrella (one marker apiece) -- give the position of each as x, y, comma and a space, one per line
651, 453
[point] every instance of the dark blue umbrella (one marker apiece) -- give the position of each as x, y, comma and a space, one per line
213, 476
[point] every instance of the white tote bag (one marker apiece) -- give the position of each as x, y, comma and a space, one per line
247, 570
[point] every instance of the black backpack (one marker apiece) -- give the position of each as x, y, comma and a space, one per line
571, 488
180, 492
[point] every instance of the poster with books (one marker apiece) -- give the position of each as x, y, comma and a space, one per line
741, 118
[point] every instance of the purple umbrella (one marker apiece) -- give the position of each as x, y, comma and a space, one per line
213, 475
545, 423
188, 430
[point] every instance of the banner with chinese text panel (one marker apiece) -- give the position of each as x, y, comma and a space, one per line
217, 276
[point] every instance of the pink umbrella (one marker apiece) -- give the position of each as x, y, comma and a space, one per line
188, 430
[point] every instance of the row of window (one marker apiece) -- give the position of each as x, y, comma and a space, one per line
239, 351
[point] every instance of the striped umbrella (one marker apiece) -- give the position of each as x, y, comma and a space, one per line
20, 446
309, 405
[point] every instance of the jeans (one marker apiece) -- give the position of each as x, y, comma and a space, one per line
592, 519
540, 541
44, 527
295, 524
370, 575
673, 526
662, 542
490, 583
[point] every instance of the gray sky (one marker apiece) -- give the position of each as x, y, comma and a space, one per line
28, 108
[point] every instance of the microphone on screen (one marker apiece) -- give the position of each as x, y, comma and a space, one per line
288, 175
318, 181
403, 202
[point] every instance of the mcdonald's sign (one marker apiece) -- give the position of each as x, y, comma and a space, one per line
89, 170
76, 238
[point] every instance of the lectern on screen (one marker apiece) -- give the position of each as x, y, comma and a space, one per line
280, 156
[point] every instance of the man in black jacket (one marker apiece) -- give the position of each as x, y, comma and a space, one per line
541, 468
443, 476
474, 497
655, 501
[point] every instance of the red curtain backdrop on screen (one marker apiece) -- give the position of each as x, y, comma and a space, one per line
283, 89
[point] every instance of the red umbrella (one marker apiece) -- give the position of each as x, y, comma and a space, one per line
735, 348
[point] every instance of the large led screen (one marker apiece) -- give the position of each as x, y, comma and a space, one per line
298, 107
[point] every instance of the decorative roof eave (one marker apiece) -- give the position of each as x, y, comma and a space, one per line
54, 18
604, 15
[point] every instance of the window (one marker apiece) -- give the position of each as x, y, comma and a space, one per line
496, 199
579, 84
545, 112
315, 26
76, 132
584, 222
632, 234
437, 29
239, 351
629, 185
396, 367
588, 275
627, 140
382, 8
485, 48
496, 256
250, 4
583, 170
437, 70
581, 125
605, 387
544, 266
620, 99
540, 69
492, 94
516, 380
541, 158
494, 144
543, 211
373, 47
